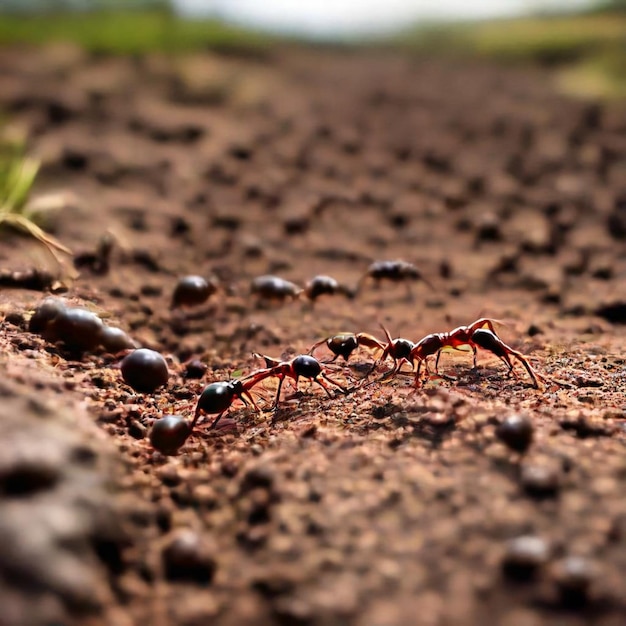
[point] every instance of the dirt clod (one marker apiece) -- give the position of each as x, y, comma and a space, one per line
188, 557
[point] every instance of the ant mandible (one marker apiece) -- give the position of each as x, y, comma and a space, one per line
481, 334
301, 366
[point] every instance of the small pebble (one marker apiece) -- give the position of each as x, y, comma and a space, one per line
169, 433
192, 291
516, 431
260, 476
48, 310
115, 340
77, 328
137, 430
540, 481
188, 557
144, 370
524, 556
195, 369
573, 576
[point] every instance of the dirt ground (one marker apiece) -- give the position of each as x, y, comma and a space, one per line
389, 506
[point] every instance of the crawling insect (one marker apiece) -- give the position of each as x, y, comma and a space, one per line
480, 333
344, 344
326, 285
301, 366
399, 349
394, 271
270, 287
217, 397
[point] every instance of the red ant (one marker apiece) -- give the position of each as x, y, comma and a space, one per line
399, 349
344, 344
481, 334
301, 366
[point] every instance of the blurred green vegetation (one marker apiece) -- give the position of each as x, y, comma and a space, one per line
128, 32
18, 212
587, 51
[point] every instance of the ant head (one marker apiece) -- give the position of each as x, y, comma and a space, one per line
236, 386
402, 348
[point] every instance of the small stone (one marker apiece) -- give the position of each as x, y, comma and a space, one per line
488, 228
80, 330
169, 475
137, 430
144, 370
187, 556
523, 557
195, 369
260, 476
115, 340
573, 576
516, 431
193, 290
169, 433
47, 311
540, 481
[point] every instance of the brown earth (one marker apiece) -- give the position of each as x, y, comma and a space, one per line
389, 506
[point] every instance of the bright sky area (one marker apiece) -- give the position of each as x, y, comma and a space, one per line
319, 18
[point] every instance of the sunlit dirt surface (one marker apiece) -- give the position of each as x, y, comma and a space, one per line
391, 505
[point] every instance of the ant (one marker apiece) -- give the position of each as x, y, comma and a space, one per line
394, 271
399, 349
301, 366
344, 344
269, 287
325, 285
216, 398
481, 334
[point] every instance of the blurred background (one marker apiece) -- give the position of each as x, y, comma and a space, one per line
584, 39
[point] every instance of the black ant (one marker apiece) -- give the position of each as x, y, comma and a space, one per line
399, 349
326, 285
217, 397
394, 271
269, 287
170, 432
344, 344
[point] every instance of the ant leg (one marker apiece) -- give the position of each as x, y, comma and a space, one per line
333, 382
316, 345
276, 399
531, 372
436, 362
490, 341
251, 401
319, 382
475, 355
216, 420
417, 373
